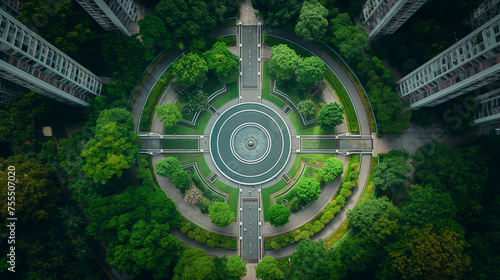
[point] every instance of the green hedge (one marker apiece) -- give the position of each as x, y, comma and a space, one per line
345, 101
208, 237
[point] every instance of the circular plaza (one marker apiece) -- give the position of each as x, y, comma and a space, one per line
250, 143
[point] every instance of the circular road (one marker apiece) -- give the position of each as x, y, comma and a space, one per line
250, 143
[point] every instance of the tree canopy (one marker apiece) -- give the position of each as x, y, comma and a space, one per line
224, 63
220, 214
310, 261
363, 216
331, 115
169, 114
113, 147
312, 21
391, 173
307, 107
236, 267
278, 12
309, 71
278, 215
195, 264
190, 70
284, 63
307, 190
332, 169
267, 269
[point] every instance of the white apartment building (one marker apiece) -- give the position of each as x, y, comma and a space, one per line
386, 16
112, 15
13, 7
28, 60
471, 63
484, 13
9, 92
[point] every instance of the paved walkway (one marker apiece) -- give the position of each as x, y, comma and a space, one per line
247, 13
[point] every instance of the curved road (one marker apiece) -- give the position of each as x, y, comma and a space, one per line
364, 128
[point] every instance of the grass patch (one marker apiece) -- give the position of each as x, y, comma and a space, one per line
266, 87
345, 101
231, 93
337, 235
179, 143
153, 99
273, 41
318, 144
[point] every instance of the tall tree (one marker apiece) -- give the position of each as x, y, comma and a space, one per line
309, 71
113, 147
278, 215
220, 214
391, 173
135, 226
284, 63
169, 114
310, 261
331, 115
224, 63
363, 216
278, 12
190, 69
153, 30
236, 267
307, 190
167, 166
312, 21
196, 265
332, 169
267, 269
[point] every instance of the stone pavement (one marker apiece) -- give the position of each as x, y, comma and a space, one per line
247, 13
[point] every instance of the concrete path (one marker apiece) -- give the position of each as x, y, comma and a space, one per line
247, 13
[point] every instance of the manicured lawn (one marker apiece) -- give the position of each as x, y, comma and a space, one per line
345, 101
291, 89
319, 144
233, 93
266, 195
266, 87
179, 144
181, 129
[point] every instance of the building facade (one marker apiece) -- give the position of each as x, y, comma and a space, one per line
386, 16
9, 92
28, 60
471, 63
13, 7
488, 107
112, 15
484, 13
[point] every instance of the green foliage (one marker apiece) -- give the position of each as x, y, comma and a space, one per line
279, 12
363, 216
307, 190
332, 169
310, 261
267, 269
224, 63
113, 147
330, 116
135, 225
390, 174
309, 71
194, 264
284, 63
167, 166
220, 214
169, 114
198, 100
424, 254
235, 267
181, 179
35, 192
190, 70
278, 215
350, 39
312, 21
306, 107
426, 205
211, 239
153, 30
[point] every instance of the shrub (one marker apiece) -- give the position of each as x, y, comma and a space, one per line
327, 217
191, 234
317, 226
210, 243
354, 176
345, 193
354, 166
340, 200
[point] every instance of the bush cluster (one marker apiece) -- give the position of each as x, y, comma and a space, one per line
207, 237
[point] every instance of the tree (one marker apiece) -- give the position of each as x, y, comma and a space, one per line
363, 216
391, 174
153, 30
167, 166
425, 254
349, 38
236, 267
190, 70
113, 147
309, 71
278, 12
330, 116
426, 205
135, 226
312, 21
278, 215
267, 269
284, 63
181, 179
33, 188
223, 62
220, 214
194, 264
169, 114
332, 169
310, 261
307, 190
307, 108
